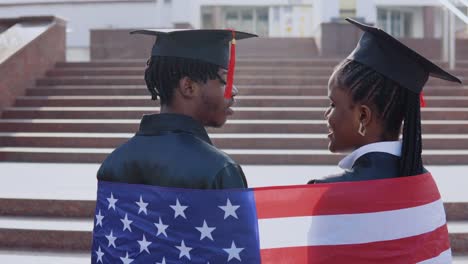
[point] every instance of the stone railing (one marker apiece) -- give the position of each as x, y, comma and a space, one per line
117, 44
29, 46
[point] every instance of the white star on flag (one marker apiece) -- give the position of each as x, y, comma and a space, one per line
111, 239
179, 209
205, 231
126, 223
162, 262
99, 218
142, 206
144, 244
126, 260
184, 250
229, 209
161, 227
233, 252
99, 254
112, 201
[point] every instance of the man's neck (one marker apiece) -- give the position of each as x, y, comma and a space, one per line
166, 109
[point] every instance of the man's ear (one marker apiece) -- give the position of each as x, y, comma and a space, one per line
187, 87
365, 115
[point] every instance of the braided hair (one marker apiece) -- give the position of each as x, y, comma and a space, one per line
393, 104
163, 73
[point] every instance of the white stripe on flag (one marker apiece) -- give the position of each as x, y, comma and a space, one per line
444, 257
350, 228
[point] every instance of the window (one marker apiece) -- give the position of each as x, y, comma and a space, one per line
347, 8
396, 22
243, 18
262, 22
232, 19
207, 17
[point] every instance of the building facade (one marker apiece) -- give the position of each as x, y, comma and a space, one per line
268, 18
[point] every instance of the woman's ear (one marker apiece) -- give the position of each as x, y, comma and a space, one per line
365, 115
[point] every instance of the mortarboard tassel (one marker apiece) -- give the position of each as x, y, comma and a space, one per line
421, 99
232, 64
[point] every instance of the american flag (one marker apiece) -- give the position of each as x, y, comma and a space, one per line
398, 220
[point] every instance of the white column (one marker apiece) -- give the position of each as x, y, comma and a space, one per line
191, 14
445, 35
367, 9
453, 39
325, 10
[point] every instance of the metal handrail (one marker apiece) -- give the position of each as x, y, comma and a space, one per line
455, 10
449, 38
465, 2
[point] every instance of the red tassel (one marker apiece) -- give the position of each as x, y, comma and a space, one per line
421, 99
232, 65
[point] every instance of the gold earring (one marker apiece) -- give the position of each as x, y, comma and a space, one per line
362, 130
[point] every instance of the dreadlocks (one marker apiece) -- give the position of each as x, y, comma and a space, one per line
163, 73
393, 104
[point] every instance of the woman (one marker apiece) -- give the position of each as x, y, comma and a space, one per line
371, 93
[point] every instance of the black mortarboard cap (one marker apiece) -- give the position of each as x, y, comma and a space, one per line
216, 46
388, 56
208, 45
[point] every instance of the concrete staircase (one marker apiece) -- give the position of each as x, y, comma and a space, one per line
80, 112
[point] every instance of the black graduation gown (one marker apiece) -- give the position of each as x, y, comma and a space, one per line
370, 166
173, 151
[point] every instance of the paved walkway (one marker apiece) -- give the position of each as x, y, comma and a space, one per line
78, 181
48, 258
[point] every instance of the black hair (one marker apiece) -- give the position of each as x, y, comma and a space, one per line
163, 73
393, 104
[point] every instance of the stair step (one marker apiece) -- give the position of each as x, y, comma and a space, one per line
245, 70
139, 71
240, 80
457, 212
45, 239
240, 59
47, 257
86, 224
227, 141
139, 80
28, 256
249, 101
240, 62
278, 113
52, 208
79, 182
242, 156
320, 90
63, 237
232, 126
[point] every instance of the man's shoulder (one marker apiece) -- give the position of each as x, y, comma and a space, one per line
175, 150
212, 154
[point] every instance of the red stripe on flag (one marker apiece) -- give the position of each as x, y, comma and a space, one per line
346, 197
406, 250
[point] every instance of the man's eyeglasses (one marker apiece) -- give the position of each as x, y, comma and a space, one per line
221, 79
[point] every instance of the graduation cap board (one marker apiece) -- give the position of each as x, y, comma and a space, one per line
215, 46
391, 58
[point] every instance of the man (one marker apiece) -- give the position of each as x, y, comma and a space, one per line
191, 72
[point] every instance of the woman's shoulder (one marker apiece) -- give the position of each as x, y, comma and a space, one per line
341, 177
371, 166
